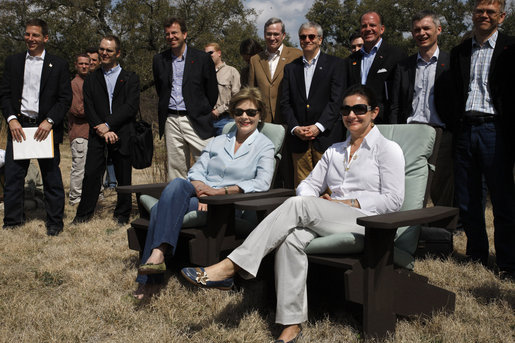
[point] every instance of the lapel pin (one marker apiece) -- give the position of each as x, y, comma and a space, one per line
50, 65
320, 68
354, 63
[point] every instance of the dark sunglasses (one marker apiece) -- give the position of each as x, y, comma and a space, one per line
250, 112
311, 37
210, 52
358, 109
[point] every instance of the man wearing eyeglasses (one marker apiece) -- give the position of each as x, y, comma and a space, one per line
312, 91
111, 102
185, 80
420, 95
228, 85
373, 65
35, 92
482, 132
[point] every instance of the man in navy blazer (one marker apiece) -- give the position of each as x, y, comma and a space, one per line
35, 92
482, 136
185, 80
420, 94
111, 102
375, 63
312, 89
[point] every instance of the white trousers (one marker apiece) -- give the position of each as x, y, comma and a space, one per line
289, 229
79, 149
181, 141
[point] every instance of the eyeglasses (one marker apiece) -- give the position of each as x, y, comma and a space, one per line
250, 112
210, 52
358, 109
310, 36
109, 51
489, 12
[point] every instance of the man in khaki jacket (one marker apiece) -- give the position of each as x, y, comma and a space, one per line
267, 67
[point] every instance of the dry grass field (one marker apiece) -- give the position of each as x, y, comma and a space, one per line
76, 288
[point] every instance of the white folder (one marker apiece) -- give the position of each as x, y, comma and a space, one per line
30, 148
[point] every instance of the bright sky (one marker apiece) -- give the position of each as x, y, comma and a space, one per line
292, 13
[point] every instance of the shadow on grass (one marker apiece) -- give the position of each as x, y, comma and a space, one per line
491, 292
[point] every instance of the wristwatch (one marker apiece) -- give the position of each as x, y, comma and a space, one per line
48, 119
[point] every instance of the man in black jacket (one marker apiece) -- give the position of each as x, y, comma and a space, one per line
111, 102
35, 92
185, 80
420, 94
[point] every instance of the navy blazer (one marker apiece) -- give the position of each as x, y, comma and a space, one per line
321, 105
460, 72
199, 89
379, 77
125, 105
403, 89
55, 93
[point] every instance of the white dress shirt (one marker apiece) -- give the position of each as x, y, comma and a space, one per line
31, 85
273, 59
374, 176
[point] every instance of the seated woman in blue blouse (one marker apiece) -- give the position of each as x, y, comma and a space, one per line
365, 175
241, 161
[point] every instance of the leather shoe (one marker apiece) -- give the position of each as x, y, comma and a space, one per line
121, 220
294, 340
151, 268
53, 230
80, 220
198, 277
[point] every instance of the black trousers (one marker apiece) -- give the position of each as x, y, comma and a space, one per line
95, 167
15, 172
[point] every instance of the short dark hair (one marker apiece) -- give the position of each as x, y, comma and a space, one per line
38, 22
250, 47
426, 13
116, 40
92, 50
364, 91
176, 20
85, 55
354, 36
249, 93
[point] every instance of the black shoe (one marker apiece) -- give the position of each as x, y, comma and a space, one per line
80, 220
121, 220
11, 226
508, 275
53, 230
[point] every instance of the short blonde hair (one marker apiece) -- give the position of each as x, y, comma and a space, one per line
249, 93
216, 46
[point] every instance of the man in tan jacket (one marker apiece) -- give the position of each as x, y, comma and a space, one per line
267, 67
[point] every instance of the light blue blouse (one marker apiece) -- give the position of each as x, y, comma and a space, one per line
251, 168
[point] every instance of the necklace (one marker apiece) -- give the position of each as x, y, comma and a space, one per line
349, 158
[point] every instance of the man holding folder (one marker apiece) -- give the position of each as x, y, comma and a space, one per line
34, 92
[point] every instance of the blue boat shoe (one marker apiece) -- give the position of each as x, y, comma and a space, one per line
198, 277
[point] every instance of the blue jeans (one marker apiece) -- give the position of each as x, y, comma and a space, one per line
482, 152
177, 199
220, 122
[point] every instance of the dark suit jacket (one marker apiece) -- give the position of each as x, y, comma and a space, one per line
403, 88
499, 65
322, 105
55, 93
199, 89
125, 105
379, 77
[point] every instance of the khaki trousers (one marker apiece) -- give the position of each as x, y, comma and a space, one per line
79, 149
303, 163
289, 229
181, 142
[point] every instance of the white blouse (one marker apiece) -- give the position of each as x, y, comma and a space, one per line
374, 176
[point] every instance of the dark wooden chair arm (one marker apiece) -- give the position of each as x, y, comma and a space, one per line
149, 188
435, 216
264, 204
232, 198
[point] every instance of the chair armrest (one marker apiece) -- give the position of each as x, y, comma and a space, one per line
232, 198
437, 216
150, 188
264, 204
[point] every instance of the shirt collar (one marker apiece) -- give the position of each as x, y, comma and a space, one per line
370, 139
42, 57
373, 50
221, 66
183, 57
112, 70
491, 41
313, 61
277, 53
433, 58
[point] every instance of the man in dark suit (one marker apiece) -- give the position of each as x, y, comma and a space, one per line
420, 94
35, 92
482, 133
374, 64
186, 84
111, 102
312, 91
